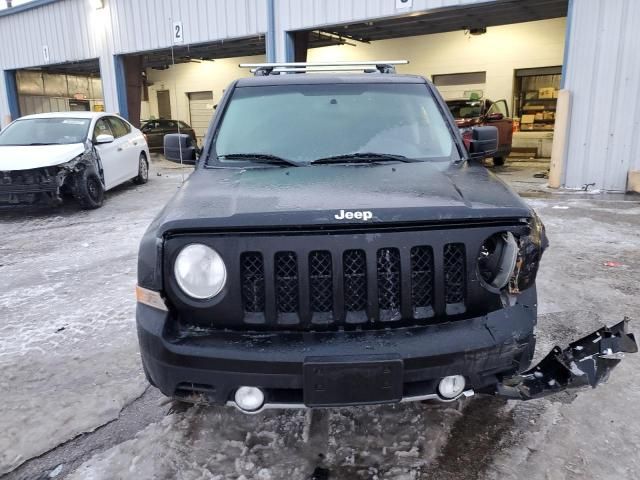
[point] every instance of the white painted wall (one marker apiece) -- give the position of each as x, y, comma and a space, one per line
194, 77
499, 52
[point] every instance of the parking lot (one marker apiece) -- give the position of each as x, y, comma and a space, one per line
75, 403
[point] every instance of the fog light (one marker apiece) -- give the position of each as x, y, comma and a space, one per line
451, 386
250, 399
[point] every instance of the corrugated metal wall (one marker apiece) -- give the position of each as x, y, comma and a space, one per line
73, 30
66, 27
302, 14
603, 74
299, 14
147, 24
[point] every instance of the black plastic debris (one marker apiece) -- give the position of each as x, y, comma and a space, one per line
585, 362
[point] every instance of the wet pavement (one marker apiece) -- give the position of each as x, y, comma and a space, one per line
76, 405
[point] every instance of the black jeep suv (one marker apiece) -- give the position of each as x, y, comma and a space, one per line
338, 245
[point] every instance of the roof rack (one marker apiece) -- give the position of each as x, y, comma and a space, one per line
264, 69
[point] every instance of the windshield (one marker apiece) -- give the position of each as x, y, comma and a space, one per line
465, 108
45, 131
304, 123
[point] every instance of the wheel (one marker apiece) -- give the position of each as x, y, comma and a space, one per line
89, 190
498, 161
143, 170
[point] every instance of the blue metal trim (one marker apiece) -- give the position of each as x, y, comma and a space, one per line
271, 31
567, 40
11, 86
289, 47
25, 6
121, 86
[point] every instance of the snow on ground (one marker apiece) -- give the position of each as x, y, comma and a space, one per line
220, 443
68, 352
77, 272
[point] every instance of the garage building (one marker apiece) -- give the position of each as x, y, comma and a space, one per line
567, 70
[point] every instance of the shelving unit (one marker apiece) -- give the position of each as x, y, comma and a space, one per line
529, 85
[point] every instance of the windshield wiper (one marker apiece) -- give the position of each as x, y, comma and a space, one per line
34, 144
363, 158
259, 158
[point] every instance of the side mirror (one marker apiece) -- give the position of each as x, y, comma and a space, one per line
104, 138
484, 142
494, 117
177, 144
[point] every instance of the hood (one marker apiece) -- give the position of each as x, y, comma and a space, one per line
315, 195
37, 156
467, 122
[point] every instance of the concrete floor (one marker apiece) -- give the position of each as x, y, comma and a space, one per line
76, 405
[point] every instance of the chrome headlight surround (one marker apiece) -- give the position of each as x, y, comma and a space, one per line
200, 271
497, 260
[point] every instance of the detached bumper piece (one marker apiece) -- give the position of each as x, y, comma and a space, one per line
587, 361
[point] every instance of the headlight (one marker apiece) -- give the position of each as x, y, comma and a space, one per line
200, 271
497, 259
532, 247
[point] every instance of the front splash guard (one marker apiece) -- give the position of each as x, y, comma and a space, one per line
587, 361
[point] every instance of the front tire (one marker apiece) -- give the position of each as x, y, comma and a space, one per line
498, 161
89, 189
143, 170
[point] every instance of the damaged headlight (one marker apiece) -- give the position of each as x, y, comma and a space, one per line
509, 261
497, 259
532, 246
200, 271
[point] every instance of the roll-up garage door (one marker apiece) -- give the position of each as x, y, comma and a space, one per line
200, 111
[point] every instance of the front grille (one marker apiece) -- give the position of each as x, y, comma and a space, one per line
384, 286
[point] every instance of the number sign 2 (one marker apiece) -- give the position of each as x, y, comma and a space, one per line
178, 32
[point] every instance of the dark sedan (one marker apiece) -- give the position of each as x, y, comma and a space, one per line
155, 130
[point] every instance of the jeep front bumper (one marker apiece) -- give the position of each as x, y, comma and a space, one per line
585, 362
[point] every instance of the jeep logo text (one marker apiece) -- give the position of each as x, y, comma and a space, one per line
358, 215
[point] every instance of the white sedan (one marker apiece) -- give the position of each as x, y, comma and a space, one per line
82, 154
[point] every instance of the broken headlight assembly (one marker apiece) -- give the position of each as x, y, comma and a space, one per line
200, 271
507, 261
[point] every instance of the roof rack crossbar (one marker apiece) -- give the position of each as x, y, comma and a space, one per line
260, 69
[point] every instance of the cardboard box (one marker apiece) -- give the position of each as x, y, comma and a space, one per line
539, 116
633, 183
545, 93
528, 119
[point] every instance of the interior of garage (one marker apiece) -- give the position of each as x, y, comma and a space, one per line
185, 82
507, 50
63, 87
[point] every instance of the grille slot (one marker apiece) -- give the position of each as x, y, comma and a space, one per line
454, 278
388, 273
422, 282
320, 282
286, 280
252, 270
354, 278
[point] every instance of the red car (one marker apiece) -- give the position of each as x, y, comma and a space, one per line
473, 113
